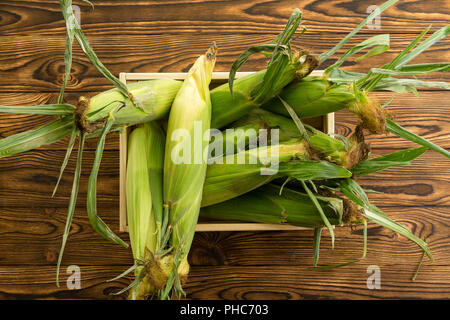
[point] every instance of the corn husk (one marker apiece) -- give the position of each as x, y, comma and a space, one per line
270, 204
188, 126
144, 188
342, 151
154, 96
140, 215
236, 174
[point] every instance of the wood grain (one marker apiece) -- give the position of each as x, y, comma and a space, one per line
38, 234
166, 36
247, 283
288, 282
212, 17
37, 63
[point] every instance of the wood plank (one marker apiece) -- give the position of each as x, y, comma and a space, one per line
36, 64
286, 282
34, 174
37, 232
30, 282
238, 16
232, 283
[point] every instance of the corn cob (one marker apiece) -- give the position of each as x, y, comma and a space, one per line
267, 205
141, 220
342, 151
236, 174
155, 98
189, 121
144, 188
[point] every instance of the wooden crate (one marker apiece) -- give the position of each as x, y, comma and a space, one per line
327, 125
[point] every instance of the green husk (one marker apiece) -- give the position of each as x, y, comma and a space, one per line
189, 122
72, 202
154, 96
96, 222
342, 151
266, 205
399, 158
236, 174
141, 220
44, 109
312, 97
32, 139
144, 205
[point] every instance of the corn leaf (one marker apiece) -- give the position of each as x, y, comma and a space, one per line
243, 57
379, 42
123, 274
133, 285
430, 67
420, 263
352, 190
74, 27
70, 34
279, 57
370, 81
72, 203
96, 222
319, 208
416, 71
324, 56
316, 245
32, 139
408, 85
431, 40
45, 109
296, 119
398, 130
386, 222
313, 170
398, 158
280, 60
75, 132
389, 83
355, 193
352, 261
89, 3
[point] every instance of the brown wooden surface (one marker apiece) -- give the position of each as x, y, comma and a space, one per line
166, 36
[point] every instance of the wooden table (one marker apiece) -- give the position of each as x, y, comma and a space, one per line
167, 36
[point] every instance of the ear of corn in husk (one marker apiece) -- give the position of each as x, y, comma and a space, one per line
236, 174
342, 151
188, 126
268, 204
155, 98
144, 178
